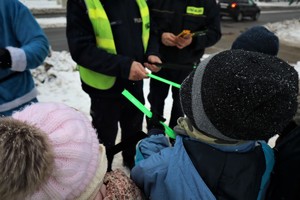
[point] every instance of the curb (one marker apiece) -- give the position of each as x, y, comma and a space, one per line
263, 8
48, 11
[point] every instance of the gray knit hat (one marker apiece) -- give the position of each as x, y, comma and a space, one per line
240, 95
259, 39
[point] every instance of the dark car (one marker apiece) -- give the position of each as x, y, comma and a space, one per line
238, 9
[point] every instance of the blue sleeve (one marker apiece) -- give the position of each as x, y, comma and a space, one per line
149, 174
150, 145
31, 36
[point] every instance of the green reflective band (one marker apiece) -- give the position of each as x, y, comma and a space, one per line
137, 103
164, 80
109, 44
194, 10
95, 13
144, 10
94, 81
147, 112
169, 131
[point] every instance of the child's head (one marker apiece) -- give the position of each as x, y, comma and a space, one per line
258, 39
240, 95
49, 151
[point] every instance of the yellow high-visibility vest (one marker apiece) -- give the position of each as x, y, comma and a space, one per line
105, 40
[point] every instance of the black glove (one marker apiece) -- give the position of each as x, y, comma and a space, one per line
154, 122
5, 58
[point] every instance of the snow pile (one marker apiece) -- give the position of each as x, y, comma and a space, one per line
39, 4
58, 80
288, 31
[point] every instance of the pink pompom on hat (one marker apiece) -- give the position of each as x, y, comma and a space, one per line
54, 151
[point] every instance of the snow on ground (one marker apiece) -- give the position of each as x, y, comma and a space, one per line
41, 4
288, 31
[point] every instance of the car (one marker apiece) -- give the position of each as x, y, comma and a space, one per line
239, 9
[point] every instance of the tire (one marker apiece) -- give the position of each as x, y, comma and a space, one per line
255, 16
239, 17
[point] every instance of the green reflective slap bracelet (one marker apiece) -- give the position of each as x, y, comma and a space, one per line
147, 112
164, 80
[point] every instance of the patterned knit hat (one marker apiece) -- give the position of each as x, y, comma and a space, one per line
259, 39
240, 95
50, 151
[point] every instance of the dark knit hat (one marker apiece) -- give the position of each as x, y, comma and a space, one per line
240, 95
259, 39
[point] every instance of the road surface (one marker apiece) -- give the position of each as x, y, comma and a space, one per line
230, 30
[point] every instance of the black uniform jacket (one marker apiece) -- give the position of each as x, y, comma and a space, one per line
172, 16
126, 24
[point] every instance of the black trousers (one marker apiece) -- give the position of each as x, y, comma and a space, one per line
158, 92
108, 113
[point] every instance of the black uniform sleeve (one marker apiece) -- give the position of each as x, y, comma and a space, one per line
83, 48
154, 40
213, 25
155, 27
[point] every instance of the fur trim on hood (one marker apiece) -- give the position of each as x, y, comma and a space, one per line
26, 158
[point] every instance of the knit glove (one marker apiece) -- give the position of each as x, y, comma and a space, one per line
5, 58
120, 186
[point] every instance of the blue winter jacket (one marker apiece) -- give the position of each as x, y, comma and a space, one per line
170, 174
28, 46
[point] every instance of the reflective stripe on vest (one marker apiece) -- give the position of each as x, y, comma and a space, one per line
105, 40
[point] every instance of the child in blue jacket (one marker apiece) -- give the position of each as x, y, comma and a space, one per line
23, 46
233, 101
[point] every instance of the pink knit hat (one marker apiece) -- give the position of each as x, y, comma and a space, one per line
78, 159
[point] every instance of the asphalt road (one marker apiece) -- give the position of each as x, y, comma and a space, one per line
230, 30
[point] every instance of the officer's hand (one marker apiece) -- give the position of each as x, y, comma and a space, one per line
150, 66
137, 72
184, 41
168, 39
